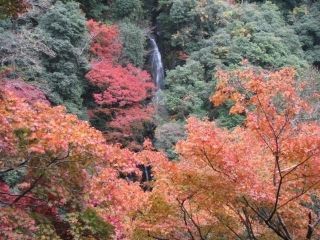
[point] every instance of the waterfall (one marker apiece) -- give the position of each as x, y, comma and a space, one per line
157, 72
156, 65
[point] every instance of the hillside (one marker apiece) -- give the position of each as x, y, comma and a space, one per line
159, 119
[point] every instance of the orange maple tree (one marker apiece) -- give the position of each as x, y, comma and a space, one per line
66, 163
257, 181
53, 149
117, 192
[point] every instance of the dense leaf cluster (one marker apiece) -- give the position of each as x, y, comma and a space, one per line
227, 148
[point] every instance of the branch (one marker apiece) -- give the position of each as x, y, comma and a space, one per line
304, 191
231, 229
248, 224
278, 190
311, 226
157, 238
187, 214
283, 226
267, 118
211, 165
34, 184
267, 222
291, 169
14, 168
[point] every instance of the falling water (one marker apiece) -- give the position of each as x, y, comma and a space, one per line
156, 65
157, 72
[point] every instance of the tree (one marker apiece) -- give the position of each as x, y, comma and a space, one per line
304, 20
65, 32
22, 49
48, 47
134, 42
130, 9
123, 86
214, 35
107, 187
16, 224
121, 92
122, 200
96, 9
52, 166
311, 79
53, 151
257, 33
181, 11
50, 150
21, 89
105, 43
185, 91
252, 182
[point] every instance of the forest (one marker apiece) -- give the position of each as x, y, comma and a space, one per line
159, 120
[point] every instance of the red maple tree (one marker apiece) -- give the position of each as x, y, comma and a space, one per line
105, 43
121, 92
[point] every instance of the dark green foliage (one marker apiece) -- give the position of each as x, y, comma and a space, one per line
311, 79
182, 11
183, 24
98, 227
224, 118
192, 20
21, 49
51, 55
166, 137
12, 178
78, 225
95, 9
186, 91
129, 9
134, 41
217, 35
65, 33
257, 33
306, 22
284, 5
22, 135
226, 34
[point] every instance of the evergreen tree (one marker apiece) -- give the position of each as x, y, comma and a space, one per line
64, 29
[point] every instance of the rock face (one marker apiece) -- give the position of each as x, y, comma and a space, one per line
21, 89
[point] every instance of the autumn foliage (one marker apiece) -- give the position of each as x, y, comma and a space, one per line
122, 91
123, 86
105, 41
64, 163
257, 181
246, 139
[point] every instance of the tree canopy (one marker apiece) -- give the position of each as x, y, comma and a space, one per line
159, 120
